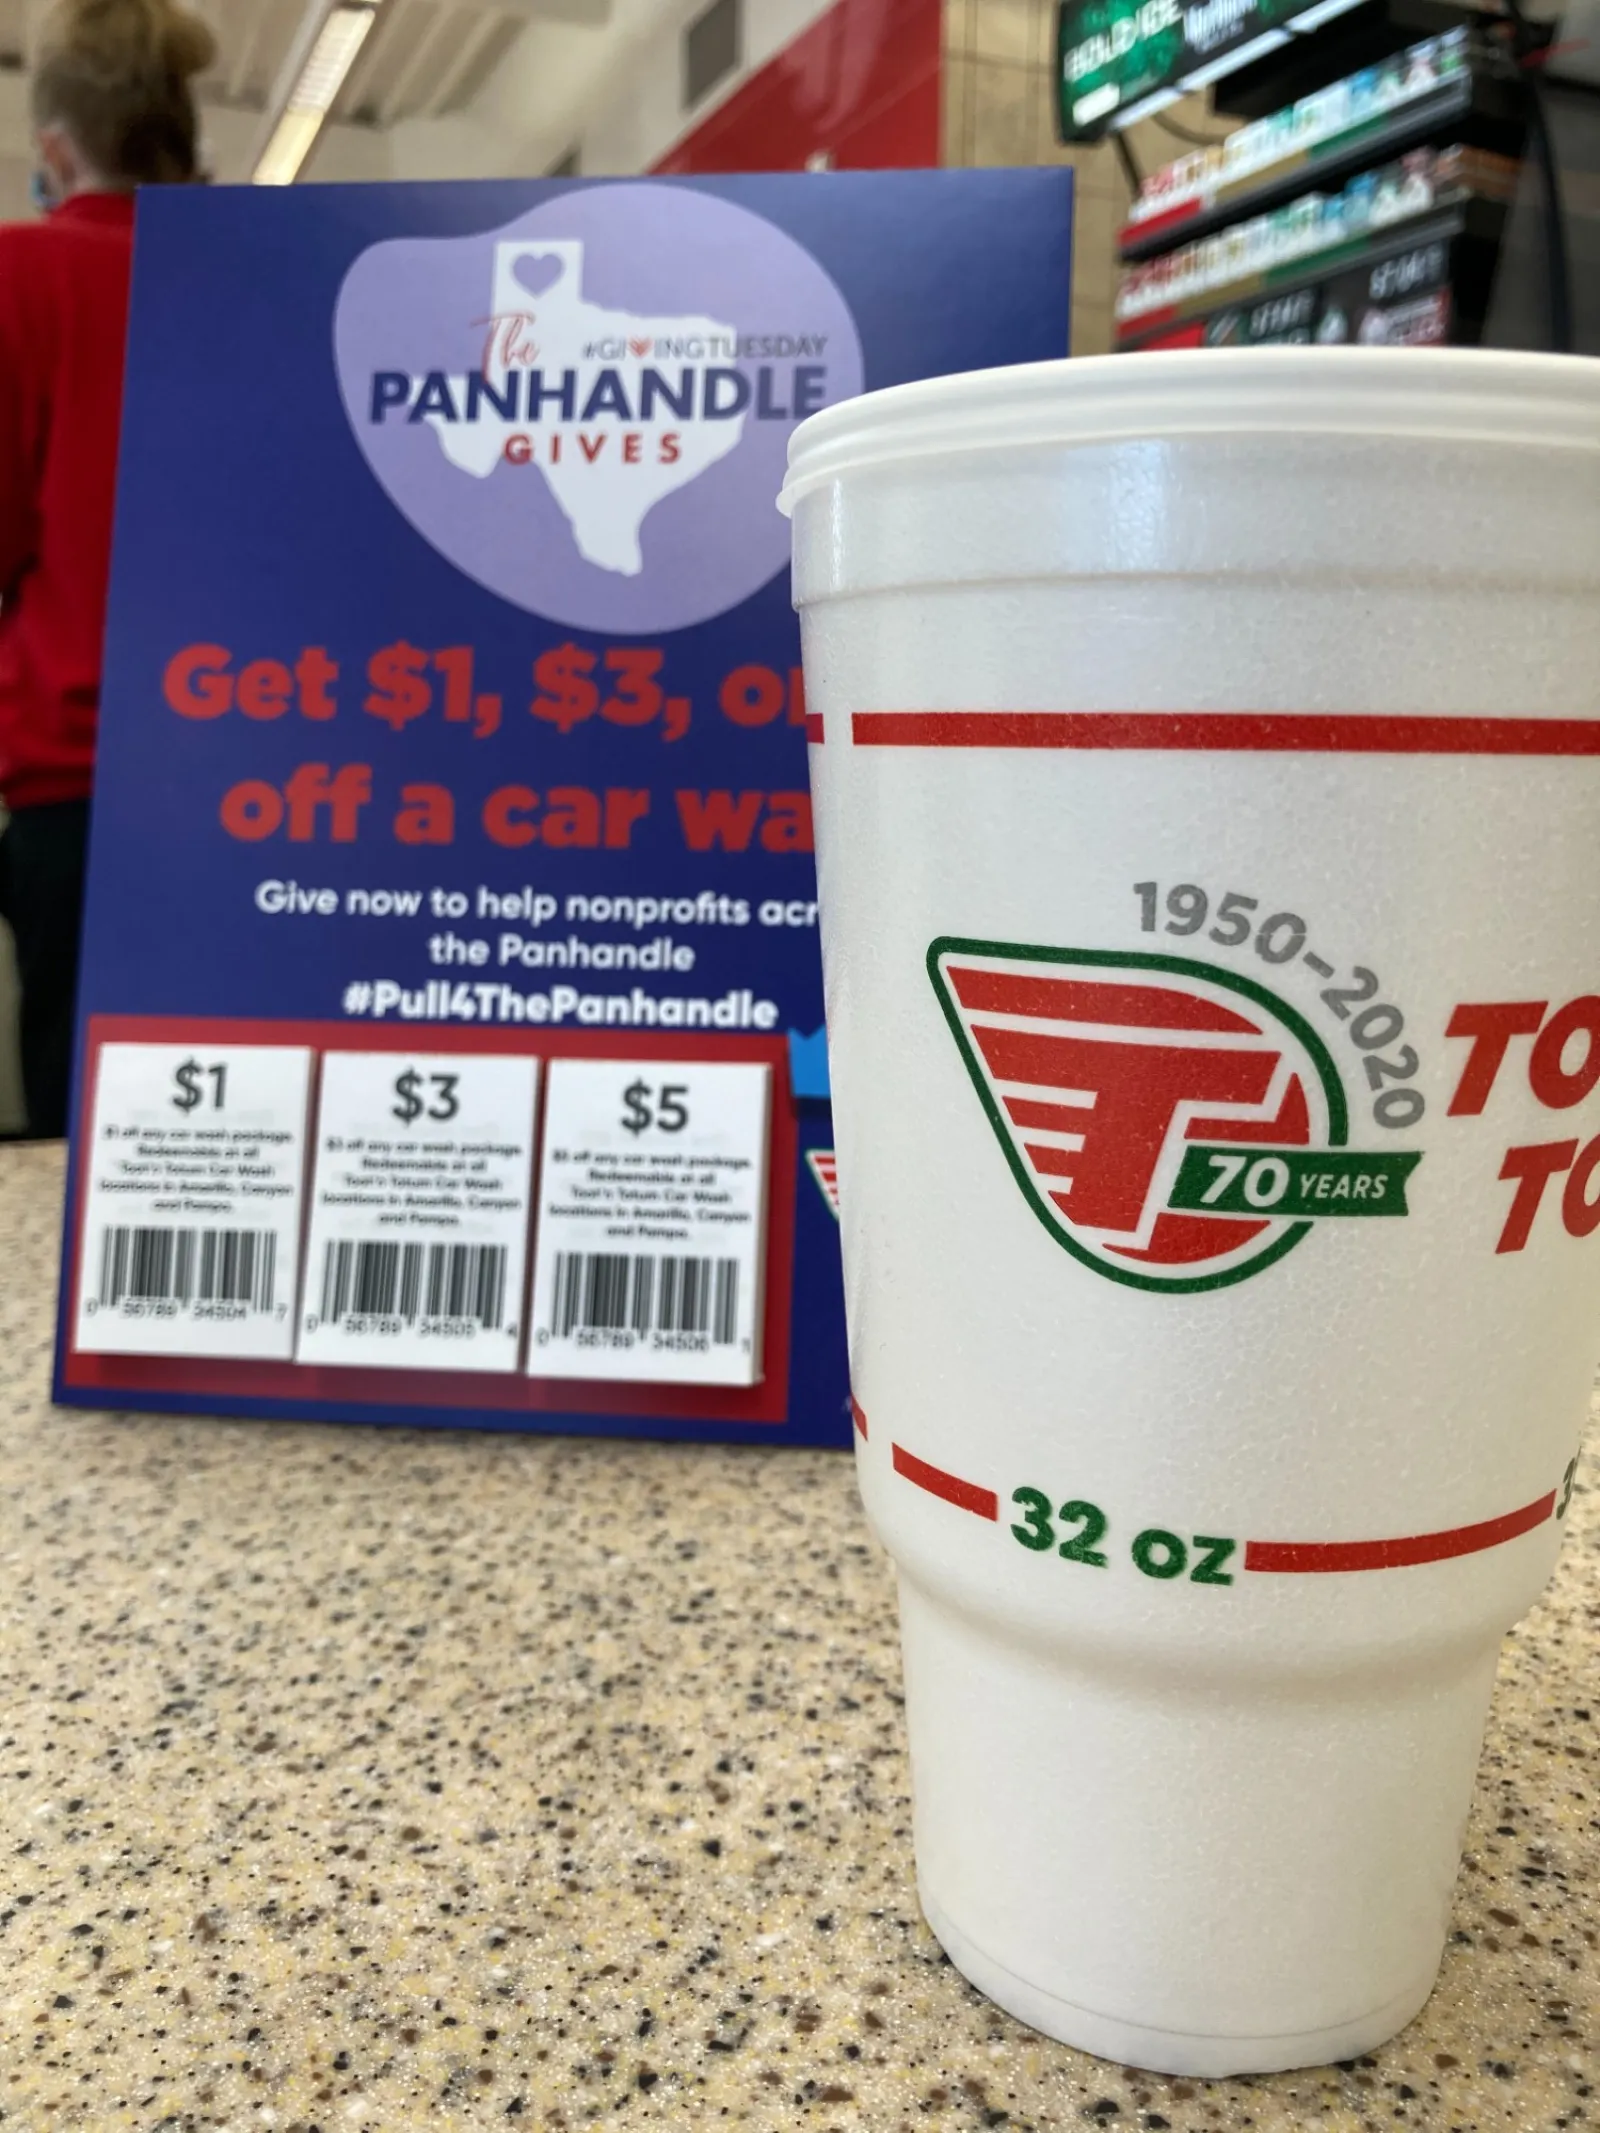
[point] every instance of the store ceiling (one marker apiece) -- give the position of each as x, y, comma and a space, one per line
423, 58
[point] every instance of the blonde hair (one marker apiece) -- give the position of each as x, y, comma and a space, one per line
115, 75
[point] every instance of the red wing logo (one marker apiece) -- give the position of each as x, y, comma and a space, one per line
1099, 1072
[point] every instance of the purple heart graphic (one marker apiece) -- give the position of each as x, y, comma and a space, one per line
538, 272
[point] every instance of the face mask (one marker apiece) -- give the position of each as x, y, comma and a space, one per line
41, 193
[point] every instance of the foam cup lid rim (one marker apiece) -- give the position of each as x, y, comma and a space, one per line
1482, 396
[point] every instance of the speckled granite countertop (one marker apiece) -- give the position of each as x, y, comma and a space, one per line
352, 1779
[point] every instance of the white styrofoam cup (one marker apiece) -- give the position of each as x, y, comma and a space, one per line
1206, 760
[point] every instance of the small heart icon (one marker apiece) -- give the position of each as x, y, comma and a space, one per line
538, 271
640, 348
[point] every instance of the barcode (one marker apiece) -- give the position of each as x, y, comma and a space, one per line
237, 1266
615, 1292
411, 1281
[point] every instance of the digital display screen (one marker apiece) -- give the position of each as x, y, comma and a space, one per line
1116, 54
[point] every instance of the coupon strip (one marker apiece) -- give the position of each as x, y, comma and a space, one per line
191, 1227
652, 1223
420, 1210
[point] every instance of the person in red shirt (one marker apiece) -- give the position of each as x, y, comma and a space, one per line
112, 110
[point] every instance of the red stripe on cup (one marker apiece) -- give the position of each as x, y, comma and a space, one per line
814, 728
1397, 1554
1051, 1162
858, 1415
1012, 992
1286, 731
966, 1495
1058, 1118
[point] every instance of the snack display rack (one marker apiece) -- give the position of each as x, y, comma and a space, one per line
1368, 207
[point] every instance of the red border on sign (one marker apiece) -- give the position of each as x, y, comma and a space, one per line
327, 1383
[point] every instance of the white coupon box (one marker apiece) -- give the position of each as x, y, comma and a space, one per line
420, 1208
652, 1222
191, 1223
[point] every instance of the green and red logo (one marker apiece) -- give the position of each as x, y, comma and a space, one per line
1173, 1125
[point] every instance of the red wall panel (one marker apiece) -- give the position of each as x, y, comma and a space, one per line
860, 86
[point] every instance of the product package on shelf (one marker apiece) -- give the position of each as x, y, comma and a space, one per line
1276, 268
1353, 108
451, 1039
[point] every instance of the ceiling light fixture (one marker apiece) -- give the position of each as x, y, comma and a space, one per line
301, 114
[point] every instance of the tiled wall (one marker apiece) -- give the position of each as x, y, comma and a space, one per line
999, 87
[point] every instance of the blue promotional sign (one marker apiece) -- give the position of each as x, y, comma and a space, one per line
450, 1036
